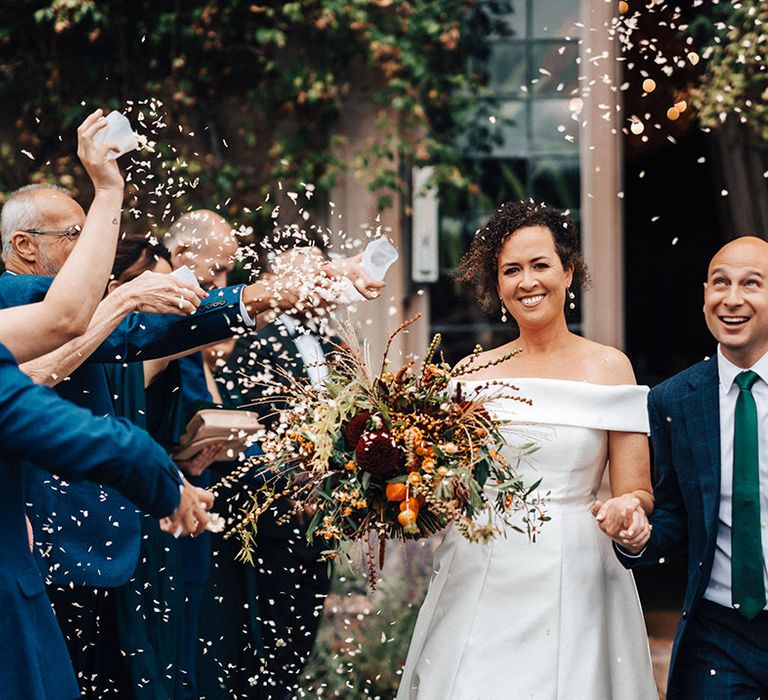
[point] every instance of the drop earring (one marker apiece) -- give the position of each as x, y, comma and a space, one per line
503, 312
571, 296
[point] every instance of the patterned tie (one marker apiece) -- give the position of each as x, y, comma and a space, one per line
747, 589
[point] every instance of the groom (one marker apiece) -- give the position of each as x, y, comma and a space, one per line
709, 427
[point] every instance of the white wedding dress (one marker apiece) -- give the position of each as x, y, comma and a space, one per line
556, 619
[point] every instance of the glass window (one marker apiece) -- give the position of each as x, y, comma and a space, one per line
501, 179
554, 70
512, 126
532, 75
556, 182
555, 19
552, 128
507, 68
515, 21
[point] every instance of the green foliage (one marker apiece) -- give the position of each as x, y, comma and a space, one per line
253, 93
736, 80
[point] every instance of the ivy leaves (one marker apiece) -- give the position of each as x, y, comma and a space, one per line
262, 86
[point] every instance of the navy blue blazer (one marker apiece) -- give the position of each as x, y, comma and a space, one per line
195, 551
39, 427
684, 414
91, 533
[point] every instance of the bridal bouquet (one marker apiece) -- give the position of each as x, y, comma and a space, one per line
382, 455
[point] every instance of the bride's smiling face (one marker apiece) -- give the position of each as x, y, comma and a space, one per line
532, 282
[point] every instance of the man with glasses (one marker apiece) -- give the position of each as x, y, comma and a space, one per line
43, 250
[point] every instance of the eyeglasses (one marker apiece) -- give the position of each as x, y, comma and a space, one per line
71, 233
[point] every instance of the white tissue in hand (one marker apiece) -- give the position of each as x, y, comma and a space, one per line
184, 274
117, 132
378, 256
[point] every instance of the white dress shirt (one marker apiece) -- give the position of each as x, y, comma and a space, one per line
719, 588
309, 348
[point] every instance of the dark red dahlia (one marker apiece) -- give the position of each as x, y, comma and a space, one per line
377, 453
355, 428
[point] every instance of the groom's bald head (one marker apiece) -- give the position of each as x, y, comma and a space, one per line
744, 250
736, 299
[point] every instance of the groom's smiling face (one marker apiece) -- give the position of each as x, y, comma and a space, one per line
736, 300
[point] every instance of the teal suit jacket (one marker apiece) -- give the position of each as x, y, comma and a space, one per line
38, 427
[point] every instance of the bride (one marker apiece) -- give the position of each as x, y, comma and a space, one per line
557, 618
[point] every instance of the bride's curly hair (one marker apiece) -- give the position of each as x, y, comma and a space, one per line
479, 266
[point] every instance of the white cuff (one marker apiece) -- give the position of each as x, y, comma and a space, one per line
625, 553
248, 320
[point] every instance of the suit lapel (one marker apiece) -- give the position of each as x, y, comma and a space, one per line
702, 416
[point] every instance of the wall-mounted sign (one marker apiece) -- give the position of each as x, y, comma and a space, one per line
425, 263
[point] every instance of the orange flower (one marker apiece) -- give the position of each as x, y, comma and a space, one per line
396, 492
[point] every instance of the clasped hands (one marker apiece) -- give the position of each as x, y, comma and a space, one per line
624, 520
191, 516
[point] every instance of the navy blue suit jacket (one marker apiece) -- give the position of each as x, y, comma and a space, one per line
90, 531
684, 414
39, 427
195, 551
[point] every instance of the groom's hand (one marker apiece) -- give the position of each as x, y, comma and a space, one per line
635, 538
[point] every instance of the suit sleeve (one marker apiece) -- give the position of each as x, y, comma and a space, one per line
669, 538
55, 435
147, 336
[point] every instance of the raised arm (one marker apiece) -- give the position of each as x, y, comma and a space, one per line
150, 336
67, 309
147, 336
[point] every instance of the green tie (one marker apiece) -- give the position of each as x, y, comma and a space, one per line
747, 589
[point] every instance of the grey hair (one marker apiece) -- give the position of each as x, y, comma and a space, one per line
20, 212
191, 227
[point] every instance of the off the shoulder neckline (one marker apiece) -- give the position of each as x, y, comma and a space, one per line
503, 380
